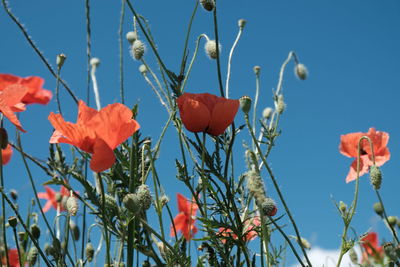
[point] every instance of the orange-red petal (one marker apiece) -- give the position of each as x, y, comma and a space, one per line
6, 154
179, 222
85, 113
222, 116
194, 114
36, 93
349, 144
103, 156
364, 168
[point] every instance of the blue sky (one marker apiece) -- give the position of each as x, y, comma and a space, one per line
349, 47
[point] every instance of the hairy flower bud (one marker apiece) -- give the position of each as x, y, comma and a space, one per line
378, 208
375, 176
143, 69
267, 113
14, 194
75, 230
342, 207
137, 50
131, 202
48, 249
3, 138
144, 195
390, 251
268, 207
245, 104
280, 104
257, 70
35, 231
72, 206
131, 37
208, 4
89, 252
301, 71
242, 23
60, 60
95, 62
353, 256
211, 49
255, 185
32, 256
392, 220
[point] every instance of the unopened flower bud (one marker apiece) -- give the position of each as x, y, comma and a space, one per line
137, 50
95, 62
390, 251
14, 194
208, 4
257, 70
131, 202
21, 236
245, 104
72, 206
13, 221
280, 105
143, 69
378, 208
89, 252
164, 200
48, 249
267, 112
56, 244
301, 71
392, 220
211, 49
268, 207
375, 176
131, 37
75, 230
60, 60
59, 197
32, 256
342, 207
143, 192
110, 204
304, 243
353, 256
242, 23
3, 138
35, 231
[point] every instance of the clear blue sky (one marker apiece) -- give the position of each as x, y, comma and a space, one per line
351, 49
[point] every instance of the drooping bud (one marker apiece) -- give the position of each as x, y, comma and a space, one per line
267, 113
89, 252
32, 256
378, 208
304, 243
60, 60
13, 221
144, 195
14, 194
245, 104
75, 230
3, 138
35, 230
137, 50
132, 203
268, 207
95, 62
143, 69
131, 37
72, 206
353, 256
301, 71
208, 4
211, 49
257, 70
164, 200
242, 23
280, 104
392, 220
375, 176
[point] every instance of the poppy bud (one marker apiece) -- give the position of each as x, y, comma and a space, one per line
375, 176
390, 251
131, 37
144, 196
342, 207
211, 49
59, 197
143, 69
75, 230
48, 249
95, 62
89, 252
242, 23
392, 220
267, 112
304, 243
353, 256
35, 231
21, 236
301, 71
32, 256
72, 206
245, 104
164, 200
137, 50
208, 4
14, 194
268, 207
3, 138
378, 208
255, 185
13, 221
280, 105
131, 202
257, 70
110, 204
60, 60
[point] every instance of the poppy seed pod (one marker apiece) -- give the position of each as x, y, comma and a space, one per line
32, 256
375, 176
378, 208
137, 50
301, 71
245, 104
131, 37
89, 252
267, 112
3, 138
208, 4
14, 194
144, 195
95, 62
13, 221
72, 206
211, 49
60, 60
131, 202
35, 231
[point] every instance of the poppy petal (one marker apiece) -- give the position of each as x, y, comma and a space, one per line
364, 168
194, 114
9, 114
85, 113
6, 154
349, 144
7, 79
222, 116
36, 94
103, 156
179, 222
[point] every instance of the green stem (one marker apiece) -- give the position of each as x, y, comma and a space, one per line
386, 217
17, 244
121, 65
221, 88
3, 209
103, 211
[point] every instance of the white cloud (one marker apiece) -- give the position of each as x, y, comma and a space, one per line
326, 258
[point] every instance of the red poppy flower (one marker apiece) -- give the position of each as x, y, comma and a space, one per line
206, 113
96, 132
12, 258
10, 97
186, 218
6, 154
370, 243
349, 147
51, 197
35, 94
249, 230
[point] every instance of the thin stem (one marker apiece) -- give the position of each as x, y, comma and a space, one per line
221, 88
3, 209
121, 50
57, 90
228, 75
256, 102
17, 244
103, 211
386, 217
282, 71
